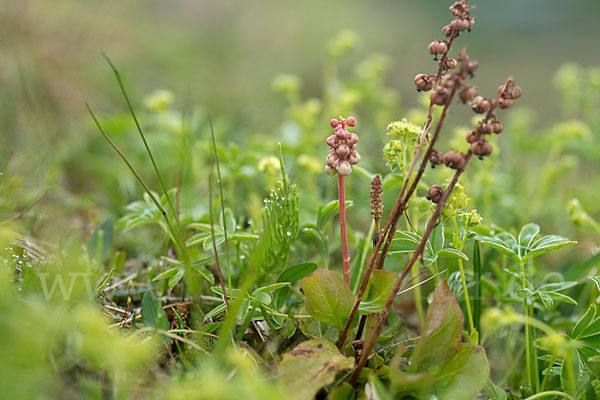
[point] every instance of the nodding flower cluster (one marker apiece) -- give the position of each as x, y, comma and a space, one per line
445, 85
342, 145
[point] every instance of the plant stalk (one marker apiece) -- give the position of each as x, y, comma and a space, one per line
370, 343
343, 229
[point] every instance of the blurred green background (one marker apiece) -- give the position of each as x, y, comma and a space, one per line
221, 57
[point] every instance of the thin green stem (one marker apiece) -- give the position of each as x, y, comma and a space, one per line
528, 343
550, 393
126, 161
418, 296
547, 374
466, 293
477, 301
458, 244
214, 145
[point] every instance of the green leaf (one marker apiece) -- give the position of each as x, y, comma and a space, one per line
343, 392
464, 376
271, 288
310, 366
261, 297
380, 286
583, 323
497, 244
315, 329
403, 384
569, 373
242, 237
546, 300
437, 238
297, 272
442, 333
586, 337
166, 274
546, 244
524, 292
328, 299
528, 234
317, 238
229, 222
99, 243
174, 280
596, 280
152, 313
215, 311
450, 252
495, 392
325, 214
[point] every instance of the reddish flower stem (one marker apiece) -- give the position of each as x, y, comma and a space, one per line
370, 343
343, 229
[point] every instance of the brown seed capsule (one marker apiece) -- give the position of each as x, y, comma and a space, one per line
481, 148
448, 81
497, 126
436, 158
447, 30
451, 63
484, 128
514, 91
473, 137
440, 96
467, 93
435, 193
458, 8
470, 23
454, 160
480, 104
423, 82
431, 47
459, 24
441, 46
471, 66
505, 103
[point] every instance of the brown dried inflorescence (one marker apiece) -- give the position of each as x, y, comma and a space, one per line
376, 196
444, 85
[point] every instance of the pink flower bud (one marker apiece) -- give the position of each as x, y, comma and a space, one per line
344, 168
352, 139
351, 121
334, 122
332, 160
340, 133
343, 150
332, 141
354, 158
330, 171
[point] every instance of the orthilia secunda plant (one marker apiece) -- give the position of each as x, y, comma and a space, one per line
342, 156
449, 82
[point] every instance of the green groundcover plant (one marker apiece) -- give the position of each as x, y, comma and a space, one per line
242, 270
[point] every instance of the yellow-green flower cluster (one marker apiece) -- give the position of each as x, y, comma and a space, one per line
458, 202
404, 131
405, 136
159, 101
394, 154
269, 165
471, 218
